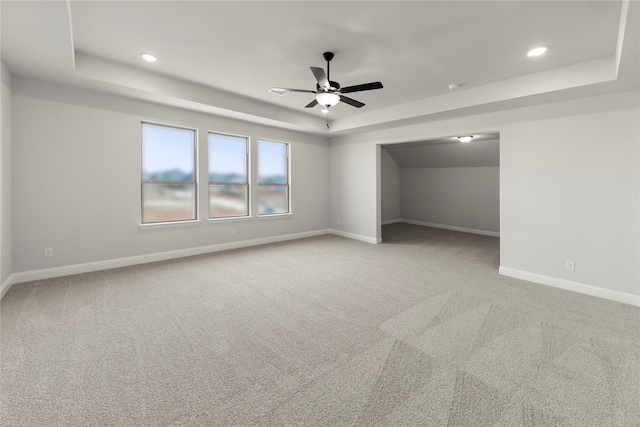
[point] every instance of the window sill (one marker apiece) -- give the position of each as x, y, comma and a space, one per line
229, 219
273, 216
169, 224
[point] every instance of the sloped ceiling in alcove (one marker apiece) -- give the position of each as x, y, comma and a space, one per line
482, 151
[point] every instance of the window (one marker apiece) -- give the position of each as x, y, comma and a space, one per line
228, 177
169, 185
273, 178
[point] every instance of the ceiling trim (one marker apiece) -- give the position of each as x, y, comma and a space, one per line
575, 80
172, 91
624, 11
577, 75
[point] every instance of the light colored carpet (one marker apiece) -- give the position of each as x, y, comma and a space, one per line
325, 331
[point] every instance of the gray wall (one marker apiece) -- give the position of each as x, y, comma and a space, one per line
76, 178
467, 198
569, 183
354, 185
569, 188
5, 175
390, 187
445, 183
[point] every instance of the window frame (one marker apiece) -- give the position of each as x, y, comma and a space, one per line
246, 184
194, 182
286, 185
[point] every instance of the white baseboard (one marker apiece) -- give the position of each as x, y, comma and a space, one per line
390, 221
568, 285
46, 273
452, 227
6, 285
356, 236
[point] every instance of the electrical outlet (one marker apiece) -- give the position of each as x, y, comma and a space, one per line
48, 252
571, 266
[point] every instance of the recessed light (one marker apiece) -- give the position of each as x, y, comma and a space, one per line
537, 51
148, 57
465, 138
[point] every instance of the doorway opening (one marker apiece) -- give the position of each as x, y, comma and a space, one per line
443, 184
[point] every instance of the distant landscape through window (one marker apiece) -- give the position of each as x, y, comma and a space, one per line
168, 173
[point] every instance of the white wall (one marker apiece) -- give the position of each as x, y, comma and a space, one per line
5, 176
570, 187
76, 179
467, 198
390, 187
354, 187
570, 183
570, 192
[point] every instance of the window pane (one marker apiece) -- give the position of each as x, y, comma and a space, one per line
167, 153
272, 199
168, 202
227, 158
227, 200
272, 162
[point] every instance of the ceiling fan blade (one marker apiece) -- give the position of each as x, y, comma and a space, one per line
311, 104
350, 101
321, 77
284, 90
302, 90
360, 88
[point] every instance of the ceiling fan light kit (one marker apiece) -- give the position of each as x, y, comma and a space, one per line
329, 93
327, 99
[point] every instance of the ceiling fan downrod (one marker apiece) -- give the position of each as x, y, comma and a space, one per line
328, 56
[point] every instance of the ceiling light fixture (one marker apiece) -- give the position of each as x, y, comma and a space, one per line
325, 110
537, 51
327, 99
465, 138
148, 57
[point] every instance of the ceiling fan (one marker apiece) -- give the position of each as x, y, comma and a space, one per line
329, 93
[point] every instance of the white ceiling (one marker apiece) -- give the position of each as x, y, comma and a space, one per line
222, 57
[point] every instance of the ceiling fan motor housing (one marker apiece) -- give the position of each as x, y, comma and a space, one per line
334, 86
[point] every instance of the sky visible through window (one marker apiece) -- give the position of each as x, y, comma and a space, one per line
169, 156
167, 150
272, 162
227, 158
